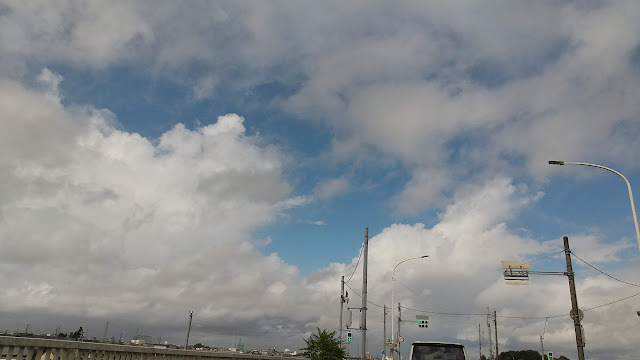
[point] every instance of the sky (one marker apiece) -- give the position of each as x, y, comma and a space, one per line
226, 157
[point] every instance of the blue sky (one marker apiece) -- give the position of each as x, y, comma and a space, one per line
225, 158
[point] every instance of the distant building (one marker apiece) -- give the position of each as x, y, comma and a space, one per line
144, 339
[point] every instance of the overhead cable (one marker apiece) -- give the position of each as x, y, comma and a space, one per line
360, 296
604, 273
358, 262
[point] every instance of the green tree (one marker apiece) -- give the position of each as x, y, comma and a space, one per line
78, 334
324, 346
519, 355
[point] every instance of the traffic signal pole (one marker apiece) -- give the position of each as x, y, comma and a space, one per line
384, 329
398, 337
341, 306
575, 311
495, 328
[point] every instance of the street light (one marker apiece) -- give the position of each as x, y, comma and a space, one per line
393, 301
633, 207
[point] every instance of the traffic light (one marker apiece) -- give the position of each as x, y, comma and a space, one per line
423, 323
550, 356
349, 336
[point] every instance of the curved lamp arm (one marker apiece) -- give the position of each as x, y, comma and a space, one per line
393, 300
633, 207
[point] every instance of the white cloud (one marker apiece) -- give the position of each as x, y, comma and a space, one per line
332, 188
462, 276
442, 89
205, 87
162, 224
424, 191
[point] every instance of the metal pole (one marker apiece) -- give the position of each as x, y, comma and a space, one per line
363, 322
188, 330
341, 306
393, 300
384, 329
489, 331
574, 300
495, 328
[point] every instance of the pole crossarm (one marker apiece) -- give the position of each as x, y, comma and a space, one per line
523, 274
560, 273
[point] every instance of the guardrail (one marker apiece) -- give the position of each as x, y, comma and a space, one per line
18, 348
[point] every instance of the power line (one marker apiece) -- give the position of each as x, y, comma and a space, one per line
441, 313
418, 295
532, 317
546, 256
354, 269
612, 302
360, 296
604, 273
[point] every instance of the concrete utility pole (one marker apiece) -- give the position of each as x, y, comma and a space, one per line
363, 322
384, 329
188, 329
495, 328
489, 332
398, 337
541, 347
479, 343
575, 311
341, 306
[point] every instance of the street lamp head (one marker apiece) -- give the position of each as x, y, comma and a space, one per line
556, 162
424, 256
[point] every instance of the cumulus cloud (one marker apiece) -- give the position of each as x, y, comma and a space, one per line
446, 91
160, 223
462, 276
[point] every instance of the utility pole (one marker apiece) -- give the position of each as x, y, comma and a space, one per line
398, 337
479, 343
341, 306
541, 347
384, 329
104, 337
576, 314
188, 329
363, 322
495, 328
489, 332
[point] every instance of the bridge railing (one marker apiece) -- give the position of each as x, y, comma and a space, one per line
19, 348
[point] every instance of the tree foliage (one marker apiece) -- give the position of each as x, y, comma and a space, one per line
78, 334
324, 346
524, 355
